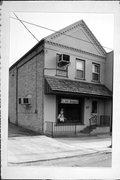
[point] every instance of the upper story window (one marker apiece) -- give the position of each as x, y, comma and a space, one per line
80, 69
96, 72
62, 62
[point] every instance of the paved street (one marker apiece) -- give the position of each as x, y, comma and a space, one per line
88, 160
26, 148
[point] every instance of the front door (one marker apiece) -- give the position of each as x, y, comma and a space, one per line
94, 112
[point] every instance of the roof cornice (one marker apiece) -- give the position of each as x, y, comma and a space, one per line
92, 37
73, 49
65, 30
74, 26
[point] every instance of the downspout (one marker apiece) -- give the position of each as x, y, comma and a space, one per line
111, 124
36, 110
16, 96
112, 96
43, 86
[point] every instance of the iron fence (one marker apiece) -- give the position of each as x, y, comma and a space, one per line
62, 129
99, 121
102, 120
73, 129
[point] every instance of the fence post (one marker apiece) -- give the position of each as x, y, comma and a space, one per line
52, 130
75, 129
89, 126
110, 125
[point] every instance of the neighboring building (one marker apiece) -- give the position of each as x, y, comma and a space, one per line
63, 84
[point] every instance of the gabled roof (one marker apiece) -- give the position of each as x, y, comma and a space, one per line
66, 86
65, 33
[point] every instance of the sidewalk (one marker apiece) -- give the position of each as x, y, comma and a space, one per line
41, 148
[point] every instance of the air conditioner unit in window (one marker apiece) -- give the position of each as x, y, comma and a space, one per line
63, 60
25, 101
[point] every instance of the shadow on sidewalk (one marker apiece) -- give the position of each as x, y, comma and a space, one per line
17, 131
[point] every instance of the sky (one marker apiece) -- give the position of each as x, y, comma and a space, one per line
21, 41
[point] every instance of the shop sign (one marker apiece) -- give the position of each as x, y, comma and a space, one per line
69, 101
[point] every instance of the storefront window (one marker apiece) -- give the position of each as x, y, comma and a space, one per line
69, 110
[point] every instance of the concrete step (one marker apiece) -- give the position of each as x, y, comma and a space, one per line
100, 130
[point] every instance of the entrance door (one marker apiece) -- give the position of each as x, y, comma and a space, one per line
94, 111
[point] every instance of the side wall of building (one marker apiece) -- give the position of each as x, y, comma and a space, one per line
109, 71
109, 81
29, 84
12, 96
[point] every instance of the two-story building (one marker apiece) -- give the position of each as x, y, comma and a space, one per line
63, 85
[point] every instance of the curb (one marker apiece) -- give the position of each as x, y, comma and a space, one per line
64, 157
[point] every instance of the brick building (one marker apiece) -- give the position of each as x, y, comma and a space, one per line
63, 85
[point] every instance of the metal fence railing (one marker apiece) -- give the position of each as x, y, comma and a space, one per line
53, 128
62, 129
99, 121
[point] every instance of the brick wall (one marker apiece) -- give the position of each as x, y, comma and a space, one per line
12, 95
28, 82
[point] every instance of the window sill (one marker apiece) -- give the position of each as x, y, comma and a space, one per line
95, 81
82, 79
61, 75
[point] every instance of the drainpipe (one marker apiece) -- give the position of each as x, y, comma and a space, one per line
16, 96
36, 89
43, 85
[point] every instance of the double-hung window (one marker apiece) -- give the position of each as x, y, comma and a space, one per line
80, 69
95, 72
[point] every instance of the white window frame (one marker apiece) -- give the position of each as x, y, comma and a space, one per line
95, 72
83, 70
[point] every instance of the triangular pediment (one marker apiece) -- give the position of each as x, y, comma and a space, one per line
78, 36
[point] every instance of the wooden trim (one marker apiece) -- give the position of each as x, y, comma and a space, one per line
73, 49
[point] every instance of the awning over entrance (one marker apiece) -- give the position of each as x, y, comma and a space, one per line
55, 85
